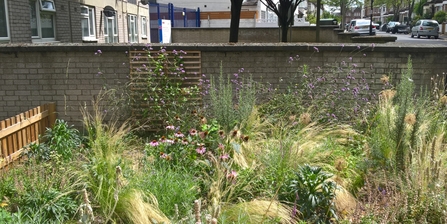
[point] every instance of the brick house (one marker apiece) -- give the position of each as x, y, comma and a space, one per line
74, 21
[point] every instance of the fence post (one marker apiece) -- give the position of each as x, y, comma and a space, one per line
198, 17
51, 114
185, 18
171, 13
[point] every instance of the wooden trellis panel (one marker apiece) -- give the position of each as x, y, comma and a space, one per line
141, 67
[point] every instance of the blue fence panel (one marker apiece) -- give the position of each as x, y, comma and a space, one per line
180, 17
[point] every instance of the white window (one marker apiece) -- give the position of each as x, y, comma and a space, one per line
88, 23
132, 28
110, 27
43, 21
143, 27
4, 24
47, 5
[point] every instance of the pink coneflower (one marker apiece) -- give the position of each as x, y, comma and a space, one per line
170, 141
201, 150
163, 139
185, 141
203, 134
193, 132
224, 156
221, 134
221, 146
232, 175
179, 135
170, 127
153, 143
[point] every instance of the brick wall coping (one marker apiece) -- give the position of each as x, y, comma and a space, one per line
227, 47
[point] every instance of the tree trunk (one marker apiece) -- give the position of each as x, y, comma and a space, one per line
284, 32
236, 6
343, 14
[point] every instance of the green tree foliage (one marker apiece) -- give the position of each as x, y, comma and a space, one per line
344, 5
440, 16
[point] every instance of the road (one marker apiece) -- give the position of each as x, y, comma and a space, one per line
406, 38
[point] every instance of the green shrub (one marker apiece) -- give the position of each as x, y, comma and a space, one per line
440, 16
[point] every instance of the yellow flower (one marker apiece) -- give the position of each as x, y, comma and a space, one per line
3, 204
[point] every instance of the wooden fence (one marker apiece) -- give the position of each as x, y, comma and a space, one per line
18, 132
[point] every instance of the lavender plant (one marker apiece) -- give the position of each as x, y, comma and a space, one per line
232, 99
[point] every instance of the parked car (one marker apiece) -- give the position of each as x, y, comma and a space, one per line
390, 26
376, 25
425, 27
401, 29
361, 26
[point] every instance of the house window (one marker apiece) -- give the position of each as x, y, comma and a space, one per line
110, 27
143, 27
88, 23
47, 5
4, 24
43, 20
132, 28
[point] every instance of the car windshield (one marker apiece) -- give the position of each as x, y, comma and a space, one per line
429, 23
364, 22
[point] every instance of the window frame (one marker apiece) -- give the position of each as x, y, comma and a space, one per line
132, 19
39, 12
114, 28
143, 27
8, 34
45, 9
90, 21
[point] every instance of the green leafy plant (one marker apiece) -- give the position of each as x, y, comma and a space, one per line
62, 139
5, 216
314, 193
49, 204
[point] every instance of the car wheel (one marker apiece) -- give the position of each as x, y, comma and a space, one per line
412, 35
436, 37
428, 37
418, 35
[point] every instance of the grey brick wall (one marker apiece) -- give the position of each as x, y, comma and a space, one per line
19, 21
68, 21
68, 74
